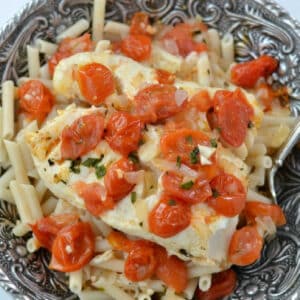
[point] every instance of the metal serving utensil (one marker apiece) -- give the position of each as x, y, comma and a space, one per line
281, 155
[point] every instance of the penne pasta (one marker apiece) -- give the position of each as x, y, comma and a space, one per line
20, 229
260, 161
6, 195
214, 42
6, 178
75, 281
227, 46
41, 189
44, 72
115, 30
204, 70
103, 45
33, 57
8, 107
204, 282
74, 31
252, 195
32, 245
93, 295
49, 206
98, 19
46, 47
31, 198
190, 289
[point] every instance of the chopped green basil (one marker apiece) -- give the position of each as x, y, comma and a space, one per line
133, 197
171, 202
187, 185
194, 156
214, 143
133, 157
178, 161
75, 166
92, 162
100, 171
215, 193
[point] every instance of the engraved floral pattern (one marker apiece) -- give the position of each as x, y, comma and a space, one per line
258, 26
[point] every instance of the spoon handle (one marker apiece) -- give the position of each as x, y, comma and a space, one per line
287, 146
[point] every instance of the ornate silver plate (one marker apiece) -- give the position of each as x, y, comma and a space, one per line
259, 26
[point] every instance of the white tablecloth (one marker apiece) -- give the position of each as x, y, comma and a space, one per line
8, 8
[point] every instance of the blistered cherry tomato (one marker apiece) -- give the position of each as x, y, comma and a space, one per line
123, 132
93, 196
139, 23
257, 209
158, 102
245, 246
229, 195
116, 185
233, 113
46, 229
36, 100
82, 136
222, 284
165, 77
73, 248
69, 47
137, 47
191, 191
247, 74
169, 217
96, 82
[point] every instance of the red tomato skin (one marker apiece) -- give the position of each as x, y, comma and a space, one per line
223, 284
165, 77
182, 35
245, 246
201, 100
198, 193
181, 143
156, 102
123, 132
227, 202
81, 239
139, 23
171, 270
140, 263
91, 194
116, 187
119, 241
82, 136
96, 82
46, 229
255, 209
169, 217
247, 74
36, 100
137, 47
68, 47
233, 114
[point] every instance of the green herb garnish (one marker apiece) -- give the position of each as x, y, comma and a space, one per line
100, 171
171, 202
133, 157
218, 129
215, 193
92, 162
187, 185
133, 197
178, 162
75, 166
214, 143
189, 139
194, 156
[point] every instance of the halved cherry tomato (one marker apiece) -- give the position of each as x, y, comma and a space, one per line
96, 82
123, 132
46, 229
116, 186
140, 263
183, 143
73, 247
191, 192
183, 35
265, 95
169, 217
201, 100
82, 136
36, 100
229, 195
257, 209
222, 284
92, 194
119, 241
233, 113
139, 23
247, 74
171, 270
137, 47
165, 77
245, 246
157, 102
68, 47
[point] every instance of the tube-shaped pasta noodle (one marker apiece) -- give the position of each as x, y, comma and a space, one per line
257, 178
8, 108
98, 19
6, 178
20, 229
115, 30
33, 57
46, 47
15, 156
3, 153
49, 206
6, 195
190, 289
269, 120
262, 161
241, 151
44, 72
75, 30
204, 70
41, 189
31, 197
214, 42
196, 271
32, 245
93, 295
115, 265
102, 245
249, 139
258, 149
273, 136
75, 281
102, 46
115, 292
227, 46
252, 195
204, 282
22, 206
